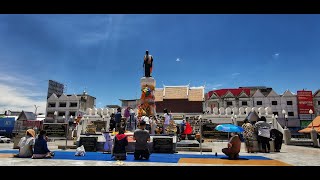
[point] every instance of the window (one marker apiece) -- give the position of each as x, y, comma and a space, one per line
62, 104
50, 114
318, 102
275, 113
229, 103
244, 103
73, 104
274, 102
72, 114
62, 113
290, 114
52, 105
259, 103
289, 103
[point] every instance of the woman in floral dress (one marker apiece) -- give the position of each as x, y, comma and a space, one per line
248, 135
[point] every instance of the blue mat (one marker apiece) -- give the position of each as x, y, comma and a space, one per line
164, 158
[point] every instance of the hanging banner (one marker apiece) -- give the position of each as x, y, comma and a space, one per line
305, 102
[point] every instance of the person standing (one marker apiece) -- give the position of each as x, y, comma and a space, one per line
264, 134
146, 119
153, 121
132, 122
277, 136
141, 136
117, 118
147, 64
167, 119
248, 135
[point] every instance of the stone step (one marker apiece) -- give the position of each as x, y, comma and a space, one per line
68, 147
193, 149
188, 143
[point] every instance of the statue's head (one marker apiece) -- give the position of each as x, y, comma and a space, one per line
147, 52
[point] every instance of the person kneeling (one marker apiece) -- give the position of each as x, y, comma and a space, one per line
142, 137
234, 146
119, 146
41, 147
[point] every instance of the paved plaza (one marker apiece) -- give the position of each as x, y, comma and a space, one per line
289, 156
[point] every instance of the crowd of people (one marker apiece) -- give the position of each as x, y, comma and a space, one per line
36, 147
154, 124
259, 131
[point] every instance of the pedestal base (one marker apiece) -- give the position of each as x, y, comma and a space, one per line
147, 81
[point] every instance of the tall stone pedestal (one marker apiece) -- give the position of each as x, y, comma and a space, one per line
314, 138
147, 105
287, 136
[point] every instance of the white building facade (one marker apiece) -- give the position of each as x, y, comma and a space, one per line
246, 98
316, 103
66, 106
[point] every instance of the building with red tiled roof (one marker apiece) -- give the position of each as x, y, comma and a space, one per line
180, 99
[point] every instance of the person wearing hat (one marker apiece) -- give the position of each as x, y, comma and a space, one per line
147, 64
26, 144
141, 136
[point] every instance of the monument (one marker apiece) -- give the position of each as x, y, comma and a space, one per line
147, 105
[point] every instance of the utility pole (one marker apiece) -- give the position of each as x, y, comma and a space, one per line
35, 111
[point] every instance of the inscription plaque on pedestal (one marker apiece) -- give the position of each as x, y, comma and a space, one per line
162, 145
89, 143
56, 129
208, 130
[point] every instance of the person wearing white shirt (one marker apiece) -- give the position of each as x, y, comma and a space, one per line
167, 119
147, 120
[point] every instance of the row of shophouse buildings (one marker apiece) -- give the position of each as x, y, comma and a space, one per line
291, 108
185, 101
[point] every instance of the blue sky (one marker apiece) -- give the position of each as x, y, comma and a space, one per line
103, 53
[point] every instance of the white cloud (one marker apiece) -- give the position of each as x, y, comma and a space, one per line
178, 60
20, 93
276, 55
235, 74
212, 86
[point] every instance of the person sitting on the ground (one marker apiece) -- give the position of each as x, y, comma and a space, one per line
119, 146
41, 147
234, 146
26, 144
141, 136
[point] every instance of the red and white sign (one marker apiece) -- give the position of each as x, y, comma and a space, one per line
305, 102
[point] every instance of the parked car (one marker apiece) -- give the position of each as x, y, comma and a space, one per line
4, 139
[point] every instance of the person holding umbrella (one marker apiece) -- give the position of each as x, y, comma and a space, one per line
234, 145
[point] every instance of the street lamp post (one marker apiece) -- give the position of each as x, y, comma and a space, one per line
55, 116
35, 110
311, 112
232, 118
284, 115
272, 117
64, 119
200, 117
276, 117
